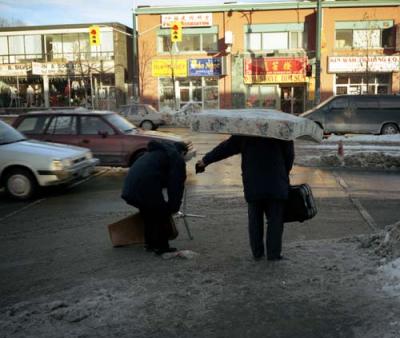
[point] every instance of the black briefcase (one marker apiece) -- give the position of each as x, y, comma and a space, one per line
300, 205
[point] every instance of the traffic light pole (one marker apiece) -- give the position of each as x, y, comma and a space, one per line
318, 55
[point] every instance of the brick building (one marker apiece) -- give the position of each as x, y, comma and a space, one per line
263, 55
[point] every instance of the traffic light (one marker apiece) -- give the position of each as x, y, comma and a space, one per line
94, 35
308, 70
176, 31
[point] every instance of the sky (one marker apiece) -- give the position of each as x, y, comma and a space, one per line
49, 12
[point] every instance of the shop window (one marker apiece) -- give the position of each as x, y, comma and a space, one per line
202, 42
54, 47
344, 38
364, 38
3, 45
274, 41
262, 97
16, 44
370, 83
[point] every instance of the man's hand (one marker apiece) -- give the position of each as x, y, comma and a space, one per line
200, 167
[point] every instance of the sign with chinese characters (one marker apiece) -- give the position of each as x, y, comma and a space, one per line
17, 69
188, 20
51, 68
358, 64
274, 70
205, 67
163, 67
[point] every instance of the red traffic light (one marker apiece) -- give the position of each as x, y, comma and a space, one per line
93, 31
175, 27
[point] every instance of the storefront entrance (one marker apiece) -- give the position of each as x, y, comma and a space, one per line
292, 99
202, 91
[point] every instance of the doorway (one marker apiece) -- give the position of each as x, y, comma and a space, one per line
292, 99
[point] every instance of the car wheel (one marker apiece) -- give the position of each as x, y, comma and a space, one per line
136, 156
389, 128
20, 184
147, 125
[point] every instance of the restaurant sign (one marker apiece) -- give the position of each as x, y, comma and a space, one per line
205, 67
359, 64
274, 70
161, 68
188, 20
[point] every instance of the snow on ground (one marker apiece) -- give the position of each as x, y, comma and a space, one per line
359, 151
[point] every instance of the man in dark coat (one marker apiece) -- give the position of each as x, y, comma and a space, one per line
266, 163
161, 167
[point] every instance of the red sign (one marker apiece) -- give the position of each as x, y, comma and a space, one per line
270, 66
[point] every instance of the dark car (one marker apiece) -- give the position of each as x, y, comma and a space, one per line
112, 139
143, 115
359, 114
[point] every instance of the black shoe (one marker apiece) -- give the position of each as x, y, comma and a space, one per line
164, 250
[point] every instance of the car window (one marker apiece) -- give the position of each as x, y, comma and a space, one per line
93, 125
390, 102
34, 124
125, 110
142, 110
134, 109
63, 125
365, 102
340, 102
120, 123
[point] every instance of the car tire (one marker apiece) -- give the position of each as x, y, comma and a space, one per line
20, 184
147, 125
389, 128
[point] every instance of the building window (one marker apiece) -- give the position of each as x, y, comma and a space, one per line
364, 38
202, 92
362, 84
201, 42
262, 96
274, 41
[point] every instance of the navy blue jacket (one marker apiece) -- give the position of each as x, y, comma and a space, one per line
266, 163
161, 166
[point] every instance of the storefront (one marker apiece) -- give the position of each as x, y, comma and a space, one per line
362, 74
278, 83
188, 80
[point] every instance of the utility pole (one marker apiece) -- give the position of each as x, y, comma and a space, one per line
318, 54
135, 68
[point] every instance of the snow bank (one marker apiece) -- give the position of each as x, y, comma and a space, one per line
358, 159
394, 138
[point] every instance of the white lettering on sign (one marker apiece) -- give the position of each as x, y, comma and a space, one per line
359, 64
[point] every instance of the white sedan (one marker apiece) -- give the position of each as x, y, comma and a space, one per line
27, 164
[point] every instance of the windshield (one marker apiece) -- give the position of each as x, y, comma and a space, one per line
119, 122
9, 135
151, 109
323, 103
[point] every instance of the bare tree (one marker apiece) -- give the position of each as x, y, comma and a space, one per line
5, 22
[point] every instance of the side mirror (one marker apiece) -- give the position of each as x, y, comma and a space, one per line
102, 133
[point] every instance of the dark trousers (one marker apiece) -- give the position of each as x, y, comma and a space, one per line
156, 229
273, 210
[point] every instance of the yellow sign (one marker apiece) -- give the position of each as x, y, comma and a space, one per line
162, 68
275, 78
176, 31
94, 35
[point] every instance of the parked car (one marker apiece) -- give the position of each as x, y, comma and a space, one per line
112, 139
27, 164
143, 115
376, 114
181, 117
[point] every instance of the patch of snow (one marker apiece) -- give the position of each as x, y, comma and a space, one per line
364, 138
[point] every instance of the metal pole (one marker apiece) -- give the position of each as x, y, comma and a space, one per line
318, 54
135, 70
